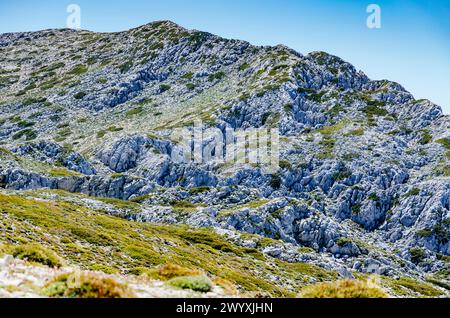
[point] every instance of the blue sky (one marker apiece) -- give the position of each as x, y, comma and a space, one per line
412, 47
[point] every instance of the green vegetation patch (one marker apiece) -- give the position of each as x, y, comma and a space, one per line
29, 134
37, 253
425, 139
444, 142
216, 76
135, 111
196, 283
79, 69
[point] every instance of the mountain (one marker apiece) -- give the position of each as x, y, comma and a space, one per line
90, 122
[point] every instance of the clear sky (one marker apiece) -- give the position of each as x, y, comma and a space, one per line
412, 47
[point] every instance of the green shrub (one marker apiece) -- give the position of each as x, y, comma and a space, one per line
413, 192
101, 133
114, 128
336, 110
196, 283
91, 61
37, 253
303, 90
244, 66
316, 97
103, 268
417, 255
134, 111
156, 46
28, 133
65, 132
164, 87
275, 181
190, 86
284, 164
288, 108
52, 67
356, 209
187, 76
199, 190
205, 237
78, 70
426, 138
424, 233
25, 124
182, 204
374, 108
32, 100
343, 241
441, 233
341, 175
444, 142
216, 76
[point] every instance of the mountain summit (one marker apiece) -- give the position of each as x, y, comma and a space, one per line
363, 185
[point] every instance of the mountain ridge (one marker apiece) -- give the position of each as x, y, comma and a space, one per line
364, 178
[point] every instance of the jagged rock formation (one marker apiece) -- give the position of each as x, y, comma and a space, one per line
365, 172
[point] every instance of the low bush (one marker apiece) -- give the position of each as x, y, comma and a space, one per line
216, 76
79, 95
201, 189
444, 142
79, 70
29, 134
134, 111
417, 254
196, 283
425, 139
164, 87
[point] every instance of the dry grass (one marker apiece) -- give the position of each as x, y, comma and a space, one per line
344, 289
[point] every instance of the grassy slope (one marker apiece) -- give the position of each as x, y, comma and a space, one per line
92, 238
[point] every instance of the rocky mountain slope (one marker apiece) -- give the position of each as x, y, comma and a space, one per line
364, 179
